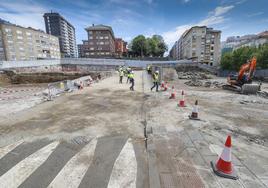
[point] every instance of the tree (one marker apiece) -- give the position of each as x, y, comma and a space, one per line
139, 46
234, 60
149, 47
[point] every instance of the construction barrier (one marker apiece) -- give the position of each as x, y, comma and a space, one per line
57, 88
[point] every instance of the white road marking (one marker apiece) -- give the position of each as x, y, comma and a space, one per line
73, 172
19, 173
5, 150
125, 169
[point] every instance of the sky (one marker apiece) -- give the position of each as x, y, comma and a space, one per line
129, 18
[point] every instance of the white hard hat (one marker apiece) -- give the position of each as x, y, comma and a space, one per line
157, 71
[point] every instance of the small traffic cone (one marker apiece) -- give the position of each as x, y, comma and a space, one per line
224, 167
173, 95
166, 86
162, 85
182, 102
194, 115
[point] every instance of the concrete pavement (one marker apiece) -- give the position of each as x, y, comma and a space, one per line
95, 138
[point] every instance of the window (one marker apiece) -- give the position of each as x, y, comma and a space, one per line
101, 43
7, 30
19, 32
101, 37
90, 37
106, 37
91, 48
19, 37
107, 42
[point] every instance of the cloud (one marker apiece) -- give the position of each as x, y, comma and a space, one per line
20, 13
222, 10
186, 1
241, 2
255, 14
217, 16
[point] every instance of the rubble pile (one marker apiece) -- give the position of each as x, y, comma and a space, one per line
263, 94
199, 83
192, 75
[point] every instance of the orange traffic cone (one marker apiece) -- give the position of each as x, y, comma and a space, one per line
224, 167
173, 95
194, 115
162, 85
166, 86
181, 102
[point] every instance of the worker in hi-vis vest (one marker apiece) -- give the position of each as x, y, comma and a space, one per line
155, 80
131, 80
121, 74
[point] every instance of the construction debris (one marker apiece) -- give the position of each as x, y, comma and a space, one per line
199, 83
263, 94
192, 75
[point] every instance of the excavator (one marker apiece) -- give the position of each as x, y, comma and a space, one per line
242, 82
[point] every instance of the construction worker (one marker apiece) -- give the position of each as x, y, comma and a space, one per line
155, 80
149, 69
131, 80
121, 74
128, 73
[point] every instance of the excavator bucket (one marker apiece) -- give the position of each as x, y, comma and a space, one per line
250, 88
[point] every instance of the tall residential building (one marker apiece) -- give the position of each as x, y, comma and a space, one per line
58, 26
120, 47
201, 44
20, 43
100, 43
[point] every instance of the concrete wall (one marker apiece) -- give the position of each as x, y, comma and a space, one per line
33, 63
84, 61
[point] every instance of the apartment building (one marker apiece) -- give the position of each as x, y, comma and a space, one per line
201, 44
19, 43
100, 43
120, 47
58, 26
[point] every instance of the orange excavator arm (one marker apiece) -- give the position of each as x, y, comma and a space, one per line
248, 67
252, 67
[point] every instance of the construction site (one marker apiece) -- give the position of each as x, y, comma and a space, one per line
72, 125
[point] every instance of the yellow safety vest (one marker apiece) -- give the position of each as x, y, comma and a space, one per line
155, 77
121, 73
131, 75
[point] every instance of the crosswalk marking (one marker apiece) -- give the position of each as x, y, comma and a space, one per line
73, 172
5, 150
125, 168
16, 175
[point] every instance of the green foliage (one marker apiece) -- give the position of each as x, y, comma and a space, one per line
234, 60
148, 47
